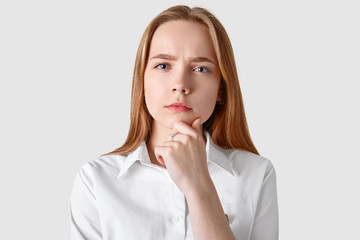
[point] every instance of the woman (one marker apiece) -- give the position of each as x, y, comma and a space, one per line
188, 168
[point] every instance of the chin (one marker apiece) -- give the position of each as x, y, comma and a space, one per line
187, 121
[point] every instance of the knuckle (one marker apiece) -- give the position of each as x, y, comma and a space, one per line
176, 124
197, 137
177, 145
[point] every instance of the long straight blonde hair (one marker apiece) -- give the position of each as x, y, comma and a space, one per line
227, 125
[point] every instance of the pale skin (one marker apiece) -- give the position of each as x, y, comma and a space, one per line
182, 67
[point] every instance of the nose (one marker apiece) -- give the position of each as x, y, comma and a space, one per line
183, 90
181, 83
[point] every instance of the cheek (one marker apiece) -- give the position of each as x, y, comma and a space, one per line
150, 97
147, 94
207, 103
153, 96
148, 88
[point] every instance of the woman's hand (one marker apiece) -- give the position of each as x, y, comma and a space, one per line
185, 157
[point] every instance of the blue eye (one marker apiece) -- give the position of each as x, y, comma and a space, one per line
201, 69
162, 66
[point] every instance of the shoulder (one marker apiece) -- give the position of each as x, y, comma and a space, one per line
248, 163
107, 166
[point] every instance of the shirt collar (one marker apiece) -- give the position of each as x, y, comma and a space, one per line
140, 154
214, 154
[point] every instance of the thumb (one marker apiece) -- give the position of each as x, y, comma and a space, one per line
196, 124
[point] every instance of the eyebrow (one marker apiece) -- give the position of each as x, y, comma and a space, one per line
170, 57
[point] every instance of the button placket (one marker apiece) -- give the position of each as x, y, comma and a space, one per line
174, 219
176, 212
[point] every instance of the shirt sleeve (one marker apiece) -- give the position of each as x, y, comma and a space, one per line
84, 222
266, 222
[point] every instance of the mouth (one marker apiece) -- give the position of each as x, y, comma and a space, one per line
178, 107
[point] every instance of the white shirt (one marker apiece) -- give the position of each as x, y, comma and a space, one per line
127, 197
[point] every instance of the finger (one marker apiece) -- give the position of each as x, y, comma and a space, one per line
196, 124
159, 153
163, 150
160, 160
178, 138
184, 128
173, 135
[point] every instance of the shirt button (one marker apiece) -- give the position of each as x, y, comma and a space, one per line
174, 219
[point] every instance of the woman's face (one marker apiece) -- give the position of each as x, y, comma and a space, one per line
182, 77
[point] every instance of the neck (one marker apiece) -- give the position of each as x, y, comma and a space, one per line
159, 134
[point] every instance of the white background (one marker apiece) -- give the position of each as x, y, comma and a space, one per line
66, 71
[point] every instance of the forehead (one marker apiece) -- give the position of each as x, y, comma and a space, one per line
182, 37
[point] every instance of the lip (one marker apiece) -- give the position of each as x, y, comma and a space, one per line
178, 107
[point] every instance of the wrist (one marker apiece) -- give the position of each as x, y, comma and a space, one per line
202, 189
